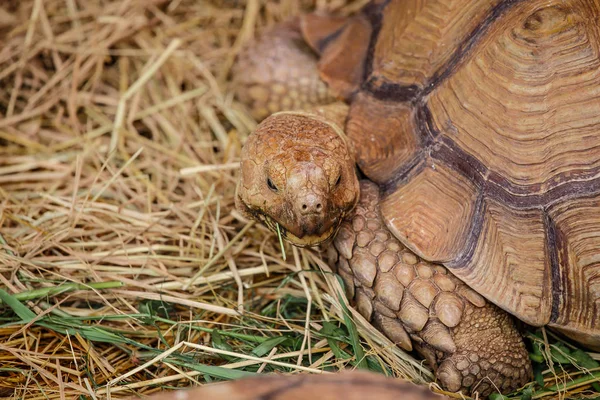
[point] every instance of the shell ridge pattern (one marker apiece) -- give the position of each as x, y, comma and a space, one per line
443, 149
373, 12
542, 101
552, 248
473, 236
396, 92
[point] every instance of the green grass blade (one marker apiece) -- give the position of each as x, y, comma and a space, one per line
281, 242
216, 372
67, 287
361, 361
330, 331
588, 378
265, 347
584, 360
21, 310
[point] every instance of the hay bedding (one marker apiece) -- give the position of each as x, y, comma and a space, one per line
119, 151
124, 267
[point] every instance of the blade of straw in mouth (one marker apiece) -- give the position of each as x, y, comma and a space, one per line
280, 241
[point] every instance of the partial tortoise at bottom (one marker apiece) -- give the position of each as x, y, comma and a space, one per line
347, 385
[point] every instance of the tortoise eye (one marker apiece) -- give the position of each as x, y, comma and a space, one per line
271, 185
338, 180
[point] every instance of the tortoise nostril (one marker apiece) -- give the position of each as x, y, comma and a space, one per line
310, 204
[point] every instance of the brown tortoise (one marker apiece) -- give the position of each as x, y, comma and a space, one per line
349, 385
476, 127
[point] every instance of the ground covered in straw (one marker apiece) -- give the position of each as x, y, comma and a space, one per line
124, 267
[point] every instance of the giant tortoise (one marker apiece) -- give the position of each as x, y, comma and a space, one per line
450, 151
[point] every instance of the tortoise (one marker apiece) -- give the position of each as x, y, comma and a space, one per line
450, 150
348, 385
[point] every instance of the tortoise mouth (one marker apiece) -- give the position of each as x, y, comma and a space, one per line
304, 241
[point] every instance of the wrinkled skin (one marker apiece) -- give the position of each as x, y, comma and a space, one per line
298, 172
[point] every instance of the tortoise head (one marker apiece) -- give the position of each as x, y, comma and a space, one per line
298, 175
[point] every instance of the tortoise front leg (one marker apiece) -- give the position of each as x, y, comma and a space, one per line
472, 345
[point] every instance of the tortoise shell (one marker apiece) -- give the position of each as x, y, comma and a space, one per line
347, 385
480, 121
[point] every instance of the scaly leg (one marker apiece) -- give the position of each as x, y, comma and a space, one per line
472, 345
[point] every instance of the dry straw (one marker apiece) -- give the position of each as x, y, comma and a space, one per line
124, 268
